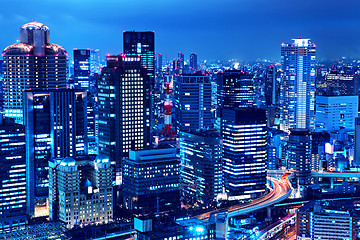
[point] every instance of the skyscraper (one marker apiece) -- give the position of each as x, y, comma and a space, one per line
34, 63
159, 62
12, 174
299, 155
143, 44
193, 102
297, 93
181, 60
95, 61
193, 62
235, 89
55, 126
81, 68
244, 152
201, 166
124, 108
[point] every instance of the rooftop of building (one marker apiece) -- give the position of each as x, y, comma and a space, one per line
35, 25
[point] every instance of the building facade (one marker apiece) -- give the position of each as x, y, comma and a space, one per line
201, 166
151, 181
244, 136
55, 126
336, 112
12, 174
80, 190
124, 108
297, 92
34, 63
193, 62
81, 68
193, 102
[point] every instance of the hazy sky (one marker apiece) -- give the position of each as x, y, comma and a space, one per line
223, 29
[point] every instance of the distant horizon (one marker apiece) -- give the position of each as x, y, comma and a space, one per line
231, 29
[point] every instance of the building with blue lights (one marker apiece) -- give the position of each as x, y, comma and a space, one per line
201, 166
34, 63
124, 108
12, 174
55, 126
244, 135
193, 62
336, 112
193, 102
80, 190
297, 93
151, 181
81, 68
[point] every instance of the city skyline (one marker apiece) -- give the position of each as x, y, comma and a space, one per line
211, 29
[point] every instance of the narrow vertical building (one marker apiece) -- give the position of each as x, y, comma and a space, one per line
201, 166
193, 62
297, 93
12, 174
81, 68
244, 135
34, 63
193, 102
124, 108
55, 126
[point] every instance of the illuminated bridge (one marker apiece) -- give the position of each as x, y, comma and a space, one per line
281, 190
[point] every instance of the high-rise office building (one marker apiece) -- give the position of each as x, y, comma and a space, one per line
80, 190
201, 166
55, 126
181, 60
340, 84
235, 89
244, 152
95, 61
12, 174
272, 86
193, 102
151, 181
124, 108
299, 155
357, 142
193, 62
143, 44
81, 68
297, 93
159, 62
336, 112
34, 63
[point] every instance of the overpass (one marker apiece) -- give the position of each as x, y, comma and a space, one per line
281, 190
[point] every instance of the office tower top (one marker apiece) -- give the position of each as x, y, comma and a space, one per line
39, 65
193, 61
235, 89
193, 102
81, 68
297, 94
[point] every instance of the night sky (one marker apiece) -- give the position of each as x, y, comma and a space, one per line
223, 29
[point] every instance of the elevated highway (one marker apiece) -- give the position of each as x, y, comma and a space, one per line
281, 190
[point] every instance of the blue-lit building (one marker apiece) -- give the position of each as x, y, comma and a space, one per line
12, 174
143, 44
80, 190
244, 135
151, 181
299, 155
201, 166
297, 93
34, 63
55, 126
235, 89
81, 68
124, 108
193, 62
193, 102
